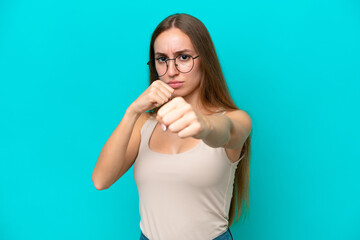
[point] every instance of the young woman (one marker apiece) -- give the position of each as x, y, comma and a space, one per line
189, 143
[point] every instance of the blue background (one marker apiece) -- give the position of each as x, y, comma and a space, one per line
69, 70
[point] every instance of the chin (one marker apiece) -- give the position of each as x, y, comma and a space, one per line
176, 94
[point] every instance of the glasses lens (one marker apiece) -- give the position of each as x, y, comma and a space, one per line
160, 66
184, 63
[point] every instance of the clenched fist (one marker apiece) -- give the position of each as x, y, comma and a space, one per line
155, 95
179, 117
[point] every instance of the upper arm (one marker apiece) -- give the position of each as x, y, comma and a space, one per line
134, 144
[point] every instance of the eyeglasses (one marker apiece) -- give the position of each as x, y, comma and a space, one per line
184, 63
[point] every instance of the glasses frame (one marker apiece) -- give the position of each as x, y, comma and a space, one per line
167, 66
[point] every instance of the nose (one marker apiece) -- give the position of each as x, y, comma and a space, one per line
172, 70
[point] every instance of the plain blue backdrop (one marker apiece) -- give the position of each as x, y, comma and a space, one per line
69, 70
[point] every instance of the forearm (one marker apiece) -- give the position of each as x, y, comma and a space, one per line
220, 128
112, 155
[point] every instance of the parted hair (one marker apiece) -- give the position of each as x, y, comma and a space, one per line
213, 93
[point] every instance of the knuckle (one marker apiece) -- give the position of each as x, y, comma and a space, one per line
188, 107
154, 85
181, 134
197, 126
192, 116
165, 120
178, 99
159, 83
171, 127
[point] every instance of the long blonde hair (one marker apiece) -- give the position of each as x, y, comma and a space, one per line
214, 93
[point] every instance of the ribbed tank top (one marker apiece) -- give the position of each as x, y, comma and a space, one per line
185, 195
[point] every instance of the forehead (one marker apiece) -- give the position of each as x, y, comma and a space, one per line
171, 41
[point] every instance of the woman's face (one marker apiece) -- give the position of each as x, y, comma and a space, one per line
170, 44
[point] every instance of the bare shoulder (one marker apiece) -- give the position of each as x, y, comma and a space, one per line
240, 116
242, 127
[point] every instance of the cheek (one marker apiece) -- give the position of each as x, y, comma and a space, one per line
198, 67
196, 73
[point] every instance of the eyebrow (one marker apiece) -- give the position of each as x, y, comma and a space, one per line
180, 51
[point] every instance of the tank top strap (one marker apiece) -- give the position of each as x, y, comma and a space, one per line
147, 130
221, 110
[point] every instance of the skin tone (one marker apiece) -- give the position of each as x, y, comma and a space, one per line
181, 110
180, 115
170, 44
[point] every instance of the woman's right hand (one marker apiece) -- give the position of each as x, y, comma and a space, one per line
155, 95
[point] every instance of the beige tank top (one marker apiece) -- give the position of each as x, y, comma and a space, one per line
185, 195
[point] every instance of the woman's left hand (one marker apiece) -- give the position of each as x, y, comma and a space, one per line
179, 117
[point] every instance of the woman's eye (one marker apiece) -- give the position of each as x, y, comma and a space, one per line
161, 59
184, 57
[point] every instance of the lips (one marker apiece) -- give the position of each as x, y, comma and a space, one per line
175, 84
171, 82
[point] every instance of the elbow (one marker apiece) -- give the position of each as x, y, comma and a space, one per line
98, 184
100, 187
